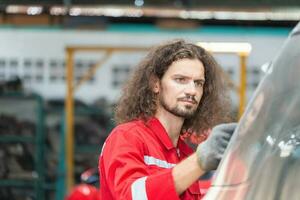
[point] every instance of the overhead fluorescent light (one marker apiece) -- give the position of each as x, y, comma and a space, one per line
164, 12
29, 10
227, 47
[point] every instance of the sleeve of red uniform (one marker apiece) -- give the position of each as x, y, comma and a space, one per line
126, 173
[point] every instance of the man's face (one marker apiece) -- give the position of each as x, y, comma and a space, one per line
181, 88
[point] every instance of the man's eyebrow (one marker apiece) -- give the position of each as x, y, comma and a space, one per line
181, 75
184, 76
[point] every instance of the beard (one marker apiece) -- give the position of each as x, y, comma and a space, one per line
185, 112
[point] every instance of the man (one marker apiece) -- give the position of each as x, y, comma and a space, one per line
176, 88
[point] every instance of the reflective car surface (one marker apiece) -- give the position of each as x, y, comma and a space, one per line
263, 158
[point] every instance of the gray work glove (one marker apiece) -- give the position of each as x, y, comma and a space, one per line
210, 152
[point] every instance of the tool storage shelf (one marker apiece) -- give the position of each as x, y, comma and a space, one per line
22, 141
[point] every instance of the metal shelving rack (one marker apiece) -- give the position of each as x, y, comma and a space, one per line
61, 191
38, 182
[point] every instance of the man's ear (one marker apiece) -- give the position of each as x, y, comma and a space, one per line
154, 81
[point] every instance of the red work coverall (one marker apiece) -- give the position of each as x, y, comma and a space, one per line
136, 163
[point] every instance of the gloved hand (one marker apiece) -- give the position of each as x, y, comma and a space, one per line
210, 152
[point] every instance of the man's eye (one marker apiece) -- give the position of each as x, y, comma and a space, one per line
199, 83
180, 80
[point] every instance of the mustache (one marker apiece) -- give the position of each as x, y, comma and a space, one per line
188, 98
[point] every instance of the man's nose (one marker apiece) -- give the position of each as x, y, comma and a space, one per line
191, 88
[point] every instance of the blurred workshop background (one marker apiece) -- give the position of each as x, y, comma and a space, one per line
63, 64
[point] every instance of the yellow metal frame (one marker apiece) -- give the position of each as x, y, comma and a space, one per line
71, 88
242, 50
243, 83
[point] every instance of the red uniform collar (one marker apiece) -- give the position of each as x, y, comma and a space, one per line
158, 129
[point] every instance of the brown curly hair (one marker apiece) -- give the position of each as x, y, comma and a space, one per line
138, 101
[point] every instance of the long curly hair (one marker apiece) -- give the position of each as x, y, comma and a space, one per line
138, 101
